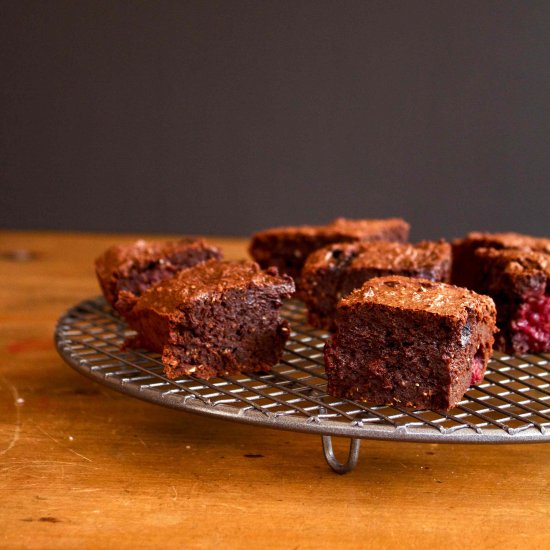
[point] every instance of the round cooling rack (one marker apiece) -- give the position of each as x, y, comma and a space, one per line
511, 405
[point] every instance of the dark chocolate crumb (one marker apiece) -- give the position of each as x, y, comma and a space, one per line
49, 519
465, 334
250, 455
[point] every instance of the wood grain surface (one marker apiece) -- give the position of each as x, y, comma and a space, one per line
82, 466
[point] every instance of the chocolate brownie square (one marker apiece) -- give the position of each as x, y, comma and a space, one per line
409, 342
465, 269
519, 283
288, 247
334, 271
126, 271
216, 318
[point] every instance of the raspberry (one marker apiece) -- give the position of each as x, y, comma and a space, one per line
533, 321
477, 368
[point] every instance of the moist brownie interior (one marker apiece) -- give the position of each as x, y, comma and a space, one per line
215, 318
409, 342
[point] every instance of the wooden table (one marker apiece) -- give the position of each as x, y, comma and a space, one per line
83, 466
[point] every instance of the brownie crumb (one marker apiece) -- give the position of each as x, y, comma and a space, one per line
465, 268
288, 247
126, 271
332, 272
402, 342
519, 283
215, 319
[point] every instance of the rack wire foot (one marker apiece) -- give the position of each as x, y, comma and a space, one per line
336, 465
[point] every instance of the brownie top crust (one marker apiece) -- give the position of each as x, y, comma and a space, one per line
419, 294
382, 255
350, 229
514, 270
517, 261
208, 281
508, 240
122, 259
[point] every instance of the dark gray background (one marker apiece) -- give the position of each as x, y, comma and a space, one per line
226, 117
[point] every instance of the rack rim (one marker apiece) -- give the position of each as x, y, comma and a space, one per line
316, 424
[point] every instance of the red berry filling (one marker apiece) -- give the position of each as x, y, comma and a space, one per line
533, 321
478, 368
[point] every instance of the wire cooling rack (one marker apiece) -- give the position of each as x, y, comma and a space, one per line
511, 405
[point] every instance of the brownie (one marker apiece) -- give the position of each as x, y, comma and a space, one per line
216, 318
126, 271
334, 271
288, 247
519, 283
409, 342
465, 270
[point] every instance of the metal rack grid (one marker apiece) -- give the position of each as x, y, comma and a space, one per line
512, 404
